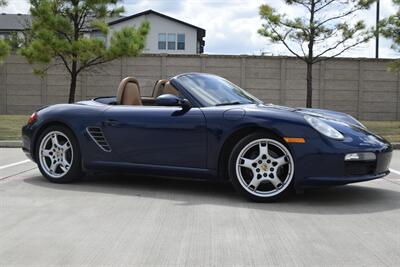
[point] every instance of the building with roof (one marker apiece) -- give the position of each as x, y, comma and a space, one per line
167, 34
10, 23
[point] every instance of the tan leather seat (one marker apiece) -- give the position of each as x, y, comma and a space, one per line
129, 92
164, 87
159, 88
170, 89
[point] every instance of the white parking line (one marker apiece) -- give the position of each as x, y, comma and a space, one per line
395, 171
14, 164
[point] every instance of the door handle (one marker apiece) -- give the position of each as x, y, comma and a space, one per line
110, 122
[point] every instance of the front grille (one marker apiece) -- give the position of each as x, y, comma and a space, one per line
371, 167
96, 133
360, 167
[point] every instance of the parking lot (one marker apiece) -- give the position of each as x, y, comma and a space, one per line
147, 221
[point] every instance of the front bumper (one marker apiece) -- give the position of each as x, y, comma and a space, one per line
27, 141
323, 163
359, 172
331, 181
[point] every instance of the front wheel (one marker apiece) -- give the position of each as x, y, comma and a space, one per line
261, 167
58, 155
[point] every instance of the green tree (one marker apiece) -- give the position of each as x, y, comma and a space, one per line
4, 47
14, 41
391, 29
60, 30
326, 30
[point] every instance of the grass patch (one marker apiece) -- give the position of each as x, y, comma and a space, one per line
10, 127
388, 129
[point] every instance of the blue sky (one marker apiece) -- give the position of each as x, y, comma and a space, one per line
232, 25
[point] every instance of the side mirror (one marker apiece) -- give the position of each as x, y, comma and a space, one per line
170, 100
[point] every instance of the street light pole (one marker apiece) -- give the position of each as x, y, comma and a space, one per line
377, 30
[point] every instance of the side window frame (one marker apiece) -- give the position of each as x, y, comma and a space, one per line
172, 42
162, 44
182, 43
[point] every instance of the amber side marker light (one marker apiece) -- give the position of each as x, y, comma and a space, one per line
298, 140
33, 118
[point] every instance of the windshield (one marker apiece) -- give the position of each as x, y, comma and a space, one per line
211, 90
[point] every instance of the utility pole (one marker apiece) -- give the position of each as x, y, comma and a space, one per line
377, 30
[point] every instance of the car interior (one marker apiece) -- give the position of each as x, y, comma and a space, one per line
129, 92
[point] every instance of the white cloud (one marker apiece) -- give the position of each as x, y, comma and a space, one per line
232, 25
16, 6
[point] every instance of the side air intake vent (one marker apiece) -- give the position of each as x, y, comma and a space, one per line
96, 133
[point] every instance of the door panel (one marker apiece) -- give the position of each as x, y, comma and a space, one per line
157, 135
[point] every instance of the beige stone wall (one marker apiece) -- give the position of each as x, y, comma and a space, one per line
360, 87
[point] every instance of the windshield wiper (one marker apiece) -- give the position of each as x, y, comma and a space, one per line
229, 103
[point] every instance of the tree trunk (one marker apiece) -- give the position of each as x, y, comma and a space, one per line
72, 87
309, 85
310, 56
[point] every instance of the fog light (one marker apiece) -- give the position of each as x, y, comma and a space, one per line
365, 156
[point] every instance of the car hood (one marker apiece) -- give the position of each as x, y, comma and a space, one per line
320, 113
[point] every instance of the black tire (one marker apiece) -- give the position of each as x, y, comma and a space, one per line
74, 172
238, 183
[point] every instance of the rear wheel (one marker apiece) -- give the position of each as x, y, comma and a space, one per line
58, 155
261, 167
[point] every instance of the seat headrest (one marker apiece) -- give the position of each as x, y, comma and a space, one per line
159, 88
170, 89
122, 85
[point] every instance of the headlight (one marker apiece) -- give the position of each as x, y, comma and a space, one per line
323, 128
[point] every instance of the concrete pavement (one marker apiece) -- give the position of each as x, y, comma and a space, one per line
144, 221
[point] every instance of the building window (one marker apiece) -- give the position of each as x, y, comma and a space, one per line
99, 36
4, 35
162, 41
181, 41
171, 41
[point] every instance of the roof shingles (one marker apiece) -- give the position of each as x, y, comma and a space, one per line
14, 22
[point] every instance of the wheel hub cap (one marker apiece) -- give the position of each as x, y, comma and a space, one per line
264, 167
55, 154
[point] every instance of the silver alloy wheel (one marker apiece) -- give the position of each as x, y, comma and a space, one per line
55, 154
264, 167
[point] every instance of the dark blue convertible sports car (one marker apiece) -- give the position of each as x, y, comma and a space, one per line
203, 126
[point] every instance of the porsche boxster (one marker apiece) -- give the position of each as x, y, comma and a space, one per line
203, 126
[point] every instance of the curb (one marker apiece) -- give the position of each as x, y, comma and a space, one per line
10, 144
18, 144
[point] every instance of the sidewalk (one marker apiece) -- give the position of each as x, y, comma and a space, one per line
11, 143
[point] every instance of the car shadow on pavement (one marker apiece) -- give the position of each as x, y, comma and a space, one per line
349, 199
